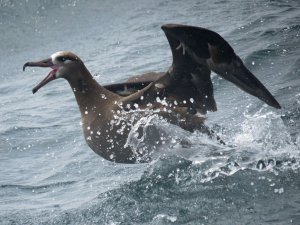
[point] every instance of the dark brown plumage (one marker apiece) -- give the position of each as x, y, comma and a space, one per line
182, 91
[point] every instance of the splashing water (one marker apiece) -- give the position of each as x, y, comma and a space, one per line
50, 176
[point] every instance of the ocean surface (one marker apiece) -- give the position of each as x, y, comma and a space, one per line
50, 176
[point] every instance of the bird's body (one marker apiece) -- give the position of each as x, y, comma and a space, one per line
176, 95
105, 118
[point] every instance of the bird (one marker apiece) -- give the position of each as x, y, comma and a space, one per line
182, 95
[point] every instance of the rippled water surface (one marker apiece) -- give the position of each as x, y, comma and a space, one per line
50, 176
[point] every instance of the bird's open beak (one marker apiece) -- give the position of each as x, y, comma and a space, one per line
44, 63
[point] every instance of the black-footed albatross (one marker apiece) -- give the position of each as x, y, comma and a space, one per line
176, 95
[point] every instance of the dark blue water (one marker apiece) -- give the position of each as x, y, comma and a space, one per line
50, 176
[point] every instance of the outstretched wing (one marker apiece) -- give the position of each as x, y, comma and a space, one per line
187, 83
206, 50
189, 78
196, 52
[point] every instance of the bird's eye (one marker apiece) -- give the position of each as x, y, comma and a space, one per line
62, 59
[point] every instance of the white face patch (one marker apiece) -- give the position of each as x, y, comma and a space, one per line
58, 63
56, 55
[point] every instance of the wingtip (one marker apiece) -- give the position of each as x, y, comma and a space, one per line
277, 105
269, 99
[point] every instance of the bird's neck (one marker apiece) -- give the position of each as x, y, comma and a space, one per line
91, 97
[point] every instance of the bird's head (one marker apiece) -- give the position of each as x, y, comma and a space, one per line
63, 65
